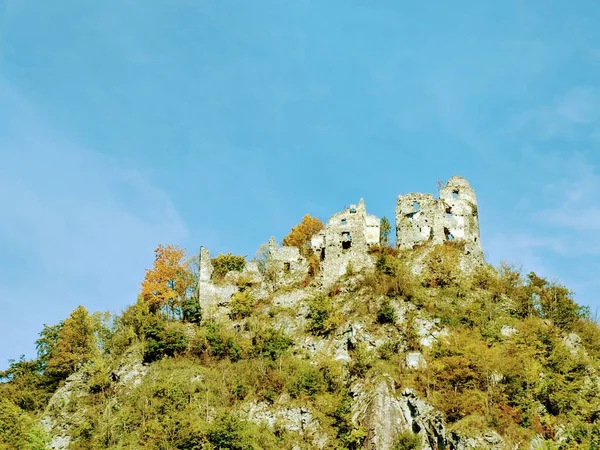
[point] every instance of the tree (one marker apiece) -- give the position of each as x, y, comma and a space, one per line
301, 233
46, 343
167, 284
384, 232
75, 345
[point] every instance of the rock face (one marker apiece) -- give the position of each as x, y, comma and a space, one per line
377, 410
58, 421
420, 218
384, 415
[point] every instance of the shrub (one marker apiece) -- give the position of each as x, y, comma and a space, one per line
320, 310
272, 343
220, 343
442, 266
223, 264
389, 349
407, 441
241, 305
309, 382
386, 313
191, 311
362, 361
163, 340
229, 432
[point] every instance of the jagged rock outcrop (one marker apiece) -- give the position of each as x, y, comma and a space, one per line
385, 415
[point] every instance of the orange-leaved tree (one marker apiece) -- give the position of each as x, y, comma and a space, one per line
301, 233
167, 284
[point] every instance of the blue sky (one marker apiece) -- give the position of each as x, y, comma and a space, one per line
129, 123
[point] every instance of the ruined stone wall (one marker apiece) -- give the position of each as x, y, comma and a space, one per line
286, 265
420, 218
345, 241
212, 296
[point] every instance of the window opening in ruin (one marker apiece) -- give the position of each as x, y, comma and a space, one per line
416, 206
454, 194
323, 255
352, 210
449, 236
346, 240
344, 221
286, 266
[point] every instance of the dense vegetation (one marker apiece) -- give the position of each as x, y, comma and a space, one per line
514, 354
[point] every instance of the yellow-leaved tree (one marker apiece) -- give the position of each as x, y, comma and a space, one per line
166, 286
301, 233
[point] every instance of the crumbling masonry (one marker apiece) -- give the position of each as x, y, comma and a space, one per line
420, 218
344, 244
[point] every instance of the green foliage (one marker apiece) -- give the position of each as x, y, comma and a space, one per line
393, 277
442, 266
308, 382
223, 264
321, 317
272, 343
75, 344
407, 441
204, 374
241, 305
362, 361
191, 311
163, 339
349, 435
229, 432
386, 313
47, 342
18, 430
555, 301
384, 232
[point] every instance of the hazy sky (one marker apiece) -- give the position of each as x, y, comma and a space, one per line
129, 123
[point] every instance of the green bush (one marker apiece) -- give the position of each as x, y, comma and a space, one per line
272, 343
442, 267
241, 305
163, 339
407, 441
223, 264
321, 320
386, 313
229, 432
191, 311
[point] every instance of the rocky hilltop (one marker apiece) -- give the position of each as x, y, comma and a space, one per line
333, 340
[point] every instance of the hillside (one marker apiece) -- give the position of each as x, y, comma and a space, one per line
422, 347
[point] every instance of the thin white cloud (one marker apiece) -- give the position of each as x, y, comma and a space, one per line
81, 226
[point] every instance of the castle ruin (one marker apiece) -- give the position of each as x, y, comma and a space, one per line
345, 242
421, 218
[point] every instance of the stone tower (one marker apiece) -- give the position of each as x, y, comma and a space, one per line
346, 240
420, 218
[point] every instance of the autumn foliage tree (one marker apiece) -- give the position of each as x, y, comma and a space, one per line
301, 233
167, 285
